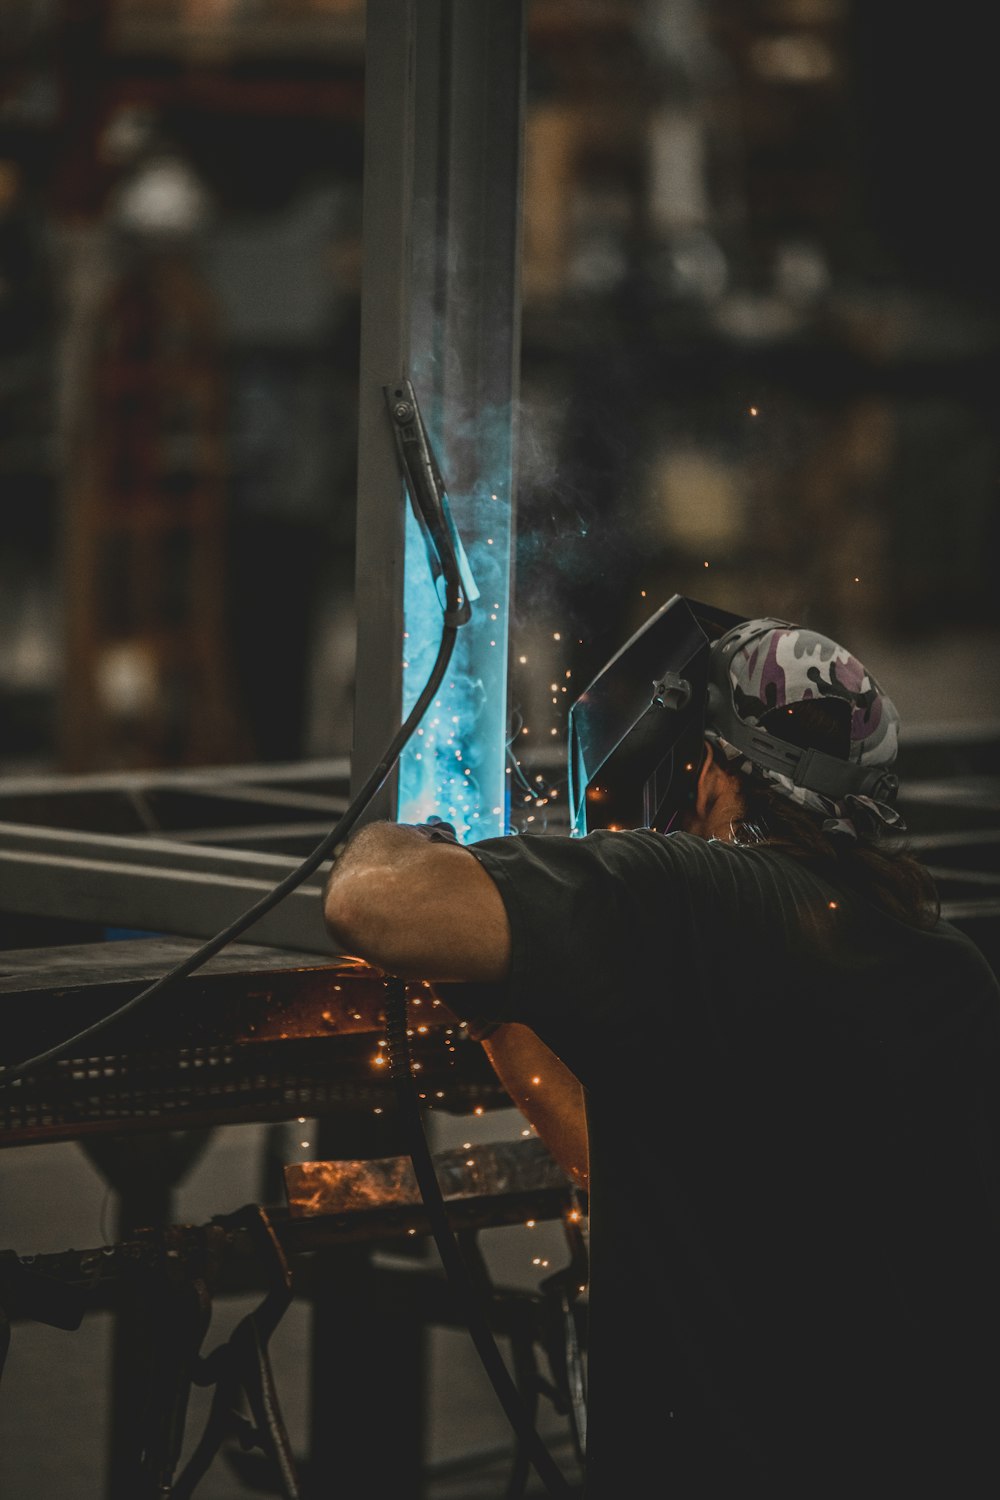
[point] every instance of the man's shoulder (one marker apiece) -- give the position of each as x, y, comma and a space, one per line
720, 859
688, 854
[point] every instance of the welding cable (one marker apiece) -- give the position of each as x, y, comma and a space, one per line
470, 1301
291, 881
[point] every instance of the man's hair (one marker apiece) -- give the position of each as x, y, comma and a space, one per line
878, 865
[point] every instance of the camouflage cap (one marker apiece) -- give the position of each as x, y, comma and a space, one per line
766, 664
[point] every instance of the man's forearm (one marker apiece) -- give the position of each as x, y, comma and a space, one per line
549, 1096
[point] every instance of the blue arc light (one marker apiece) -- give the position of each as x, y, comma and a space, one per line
455, 764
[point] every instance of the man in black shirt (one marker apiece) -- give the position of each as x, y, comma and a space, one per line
774, 1069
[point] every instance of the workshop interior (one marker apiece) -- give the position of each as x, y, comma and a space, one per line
396, 399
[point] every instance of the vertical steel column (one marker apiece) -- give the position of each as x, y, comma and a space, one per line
440, 302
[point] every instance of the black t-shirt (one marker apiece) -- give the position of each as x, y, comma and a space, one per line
794, 1165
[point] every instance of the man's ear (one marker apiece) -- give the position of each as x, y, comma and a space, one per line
703, 787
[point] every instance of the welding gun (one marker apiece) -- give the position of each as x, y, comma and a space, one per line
446, 556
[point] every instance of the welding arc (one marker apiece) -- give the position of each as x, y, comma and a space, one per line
289, 883
454, 1264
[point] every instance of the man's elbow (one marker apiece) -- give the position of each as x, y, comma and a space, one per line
348, 920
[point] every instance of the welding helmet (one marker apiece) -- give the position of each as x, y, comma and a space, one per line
636, 734
761, 675
694, 672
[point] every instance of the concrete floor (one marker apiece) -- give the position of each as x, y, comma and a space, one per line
53, 1401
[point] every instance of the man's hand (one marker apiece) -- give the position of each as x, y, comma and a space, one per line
417, 906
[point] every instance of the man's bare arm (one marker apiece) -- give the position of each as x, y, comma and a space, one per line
417, 908
545, 1091
429, 910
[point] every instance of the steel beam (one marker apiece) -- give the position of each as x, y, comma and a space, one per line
440, 303
155, 885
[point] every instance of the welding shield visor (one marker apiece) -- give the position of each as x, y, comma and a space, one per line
636, 733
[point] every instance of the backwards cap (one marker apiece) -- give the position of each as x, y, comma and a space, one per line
763, 666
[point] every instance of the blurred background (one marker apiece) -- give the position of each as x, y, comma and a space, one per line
761, 361
760, 356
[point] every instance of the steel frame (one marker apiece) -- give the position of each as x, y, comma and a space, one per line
186, 853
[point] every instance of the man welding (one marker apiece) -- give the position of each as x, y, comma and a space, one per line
774, 1068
